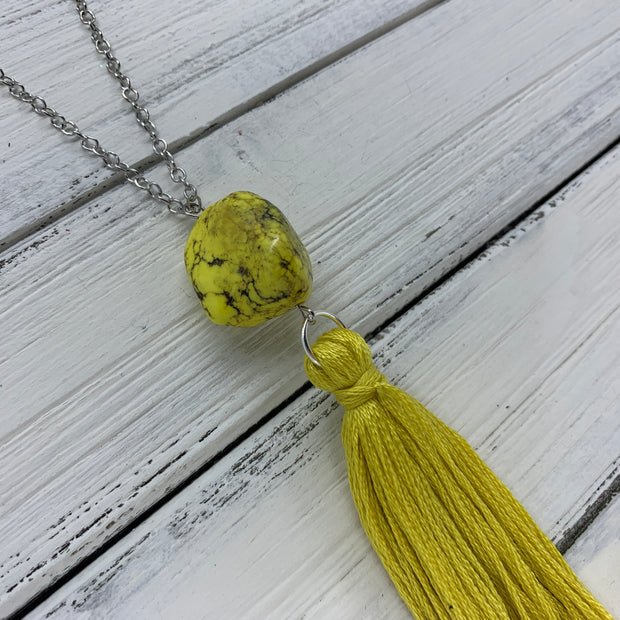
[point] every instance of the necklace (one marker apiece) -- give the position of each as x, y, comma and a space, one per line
448, 532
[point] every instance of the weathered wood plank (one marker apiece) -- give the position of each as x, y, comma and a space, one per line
518, 351
596, 557
194, 64
391, 167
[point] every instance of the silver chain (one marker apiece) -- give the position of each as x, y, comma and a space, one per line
190, 204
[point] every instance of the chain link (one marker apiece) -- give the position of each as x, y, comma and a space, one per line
190, 204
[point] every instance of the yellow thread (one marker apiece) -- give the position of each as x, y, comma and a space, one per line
452, 537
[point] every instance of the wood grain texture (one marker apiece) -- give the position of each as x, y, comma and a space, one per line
596, 557
194, 64
271, 531
392, 168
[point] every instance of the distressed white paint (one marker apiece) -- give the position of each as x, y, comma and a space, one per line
193, 63
270, 532
392, 167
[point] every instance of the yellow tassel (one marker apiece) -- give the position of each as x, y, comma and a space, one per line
452, 537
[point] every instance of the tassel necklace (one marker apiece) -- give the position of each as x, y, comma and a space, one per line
453, 539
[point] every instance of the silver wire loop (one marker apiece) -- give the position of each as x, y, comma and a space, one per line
310, 317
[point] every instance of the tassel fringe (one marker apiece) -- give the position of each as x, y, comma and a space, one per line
452, 537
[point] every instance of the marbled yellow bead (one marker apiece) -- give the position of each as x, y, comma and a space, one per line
245, 261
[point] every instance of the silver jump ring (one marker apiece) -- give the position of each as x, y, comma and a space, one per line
310, 318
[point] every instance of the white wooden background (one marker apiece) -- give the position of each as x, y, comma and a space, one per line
155, 465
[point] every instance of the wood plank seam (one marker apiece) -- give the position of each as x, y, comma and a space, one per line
515, 223
600, 502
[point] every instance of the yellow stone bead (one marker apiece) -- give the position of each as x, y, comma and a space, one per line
245, 261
